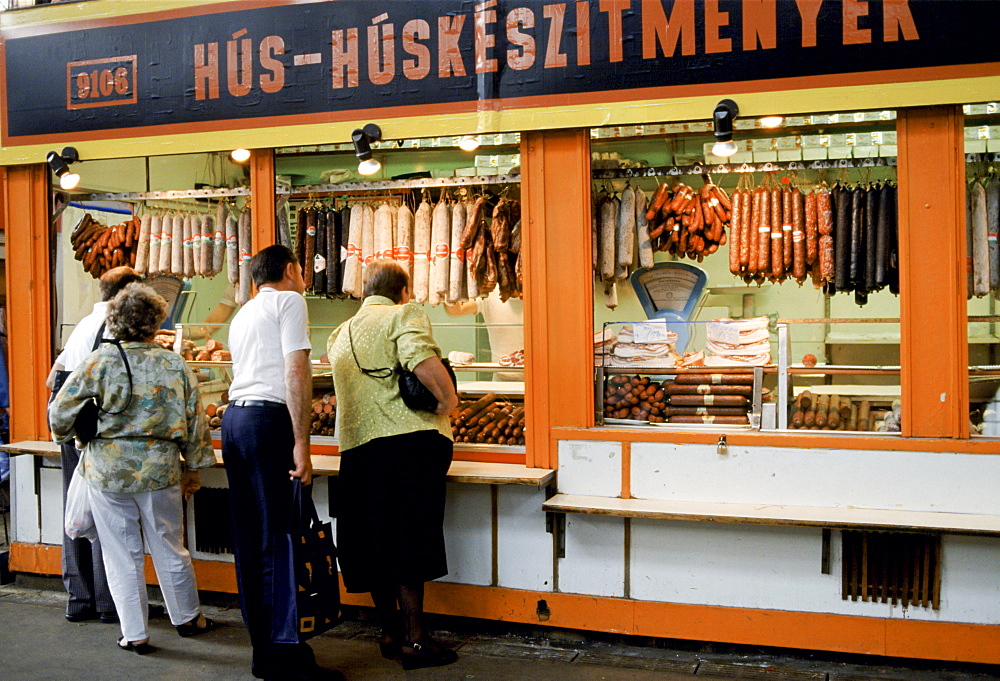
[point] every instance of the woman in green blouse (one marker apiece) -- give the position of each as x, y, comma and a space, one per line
393, 462
152, 437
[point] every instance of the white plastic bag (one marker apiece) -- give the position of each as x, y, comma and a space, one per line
79, 519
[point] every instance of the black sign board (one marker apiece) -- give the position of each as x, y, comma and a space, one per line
346, 59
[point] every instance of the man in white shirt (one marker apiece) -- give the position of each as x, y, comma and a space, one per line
265, 445
82, 562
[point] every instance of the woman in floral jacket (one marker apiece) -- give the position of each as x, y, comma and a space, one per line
134, 465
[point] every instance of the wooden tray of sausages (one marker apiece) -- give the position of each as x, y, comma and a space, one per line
728, 420
705, 411
714, 379
709, 400
705, 389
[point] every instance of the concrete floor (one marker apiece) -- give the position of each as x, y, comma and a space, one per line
36, 642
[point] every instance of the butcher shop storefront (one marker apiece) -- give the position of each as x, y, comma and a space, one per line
719, 280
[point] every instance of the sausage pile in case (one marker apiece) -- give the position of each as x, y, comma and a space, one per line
688, 398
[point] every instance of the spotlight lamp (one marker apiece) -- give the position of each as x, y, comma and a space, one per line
469, 143
723, 116
240, 155
60, 162
771, 121
362, 139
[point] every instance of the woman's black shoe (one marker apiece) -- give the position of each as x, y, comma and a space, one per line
137, 648
390, 646
417, 656
192, 629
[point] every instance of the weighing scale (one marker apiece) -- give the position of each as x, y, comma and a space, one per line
174, 291
671, 291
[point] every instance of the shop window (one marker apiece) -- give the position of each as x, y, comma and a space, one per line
892, 567
775, 267
982, 155
419, 202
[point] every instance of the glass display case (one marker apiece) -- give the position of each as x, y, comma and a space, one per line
490, 385
795, 230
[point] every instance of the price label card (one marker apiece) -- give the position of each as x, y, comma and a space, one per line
652, 332
319, 263
720, 332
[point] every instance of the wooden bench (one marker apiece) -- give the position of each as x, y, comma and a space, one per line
475, 472
847, 518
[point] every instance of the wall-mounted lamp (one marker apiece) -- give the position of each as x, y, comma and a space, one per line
363, 138
771, 121
725, 113
240, 155
59, 163
468, 143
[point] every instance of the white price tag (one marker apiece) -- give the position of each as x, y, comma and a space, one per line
319, 263
720, 332
652, 332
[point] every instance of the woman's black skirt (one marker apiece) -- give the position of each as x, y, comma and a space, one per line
390, 510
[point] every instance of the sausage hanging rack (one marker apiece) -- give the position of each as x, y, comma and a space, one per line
338, 188
722, 169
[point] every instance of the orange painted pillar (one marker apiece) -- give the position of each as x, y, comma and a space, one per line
29, 315
262, 183
558, 288
934, 351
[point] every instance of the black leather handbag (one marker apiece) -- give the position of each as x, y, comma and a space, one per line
90, 413
415, 394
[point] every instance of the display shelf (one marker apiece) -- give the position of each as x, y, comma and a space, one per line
498, 387
485, 367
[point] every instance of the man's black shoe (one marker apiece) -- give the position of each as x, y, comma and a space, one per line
109, 617
81, 616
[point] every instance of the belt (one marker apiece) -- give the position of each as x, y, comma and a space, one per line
264, 404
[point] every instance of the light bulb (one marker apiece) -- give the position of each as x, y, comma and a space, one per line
240, 155
771, 121
369, 167
69, 180
727, 148
469, 143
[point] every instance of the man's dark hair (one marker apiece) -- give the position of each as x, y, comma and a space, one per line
386, 278
117, 278
268, 266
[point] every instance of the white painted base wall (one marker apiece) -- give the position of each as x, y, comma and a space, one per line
671, 561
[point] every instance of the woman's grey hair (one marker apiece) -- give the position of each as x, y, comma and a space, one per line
386, 278
136, 313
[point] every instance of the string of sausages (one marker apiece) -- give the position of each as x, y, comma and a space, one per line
101, 248
454, 250
844, 239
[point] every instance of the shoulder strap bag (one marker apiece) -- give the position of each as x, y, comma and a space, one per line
415, 394
90, 414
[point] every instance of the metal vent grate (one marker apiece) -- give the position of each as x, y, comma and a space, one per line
213, 531
892, 567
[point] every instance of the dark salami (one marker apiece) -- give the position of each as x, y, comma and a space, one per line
333, 234
709, 400
720, 420
300, 236
318, 265
310, 248
704, 411
718, 379
857, 275
889, 196
842, 238
871, 237
707, 389
882, 240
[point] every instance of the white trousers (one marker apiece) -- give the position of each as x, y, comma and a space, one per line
122, 520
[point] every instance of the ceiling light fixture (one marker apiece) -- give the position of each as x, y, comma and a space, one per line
60, 162
469, 143
723, 116
240, 155
363, 138
771, 121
